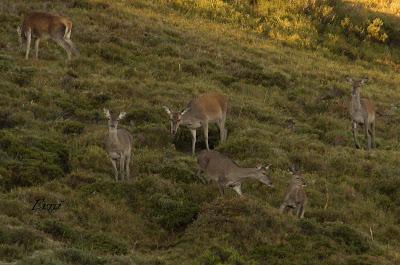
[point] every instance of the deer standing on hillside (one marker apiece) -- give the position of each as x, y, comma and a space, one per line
44, 25
227, 173
208, 108
362, 112
295, 198
118, 145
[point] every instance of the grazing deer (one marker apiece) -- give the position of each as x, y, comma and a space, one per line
208, 108
43, 26
295, 198
118, 145
227, 173
362, 112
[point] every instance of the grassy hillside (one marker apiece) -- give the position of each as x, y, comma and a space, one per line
279, 63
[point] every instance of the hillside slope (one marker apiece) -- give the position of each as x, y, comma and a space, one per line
279, 64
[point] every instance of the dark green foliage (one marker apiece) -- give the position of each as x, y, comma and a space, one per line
40, 260
26, 239
32, 159
77, 256
23, 76
104, 243
58, 230
72, 127
10, 252
173, 212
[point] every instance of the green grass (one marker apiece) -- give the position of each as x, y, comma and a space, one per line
279, 64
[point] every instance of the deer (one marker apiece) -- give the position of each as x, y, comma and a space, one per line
43, 26
227, 173
205, 109
362, 112
295, 197
118, 145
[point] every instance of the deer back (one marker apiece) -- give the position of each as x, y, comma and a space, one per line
215, 165
46, 24
207, 107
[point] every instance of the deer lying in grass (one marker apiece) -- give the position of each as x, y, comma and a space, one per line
118, 145
44, 25
227, 173
295, 198
362, 112
208, 108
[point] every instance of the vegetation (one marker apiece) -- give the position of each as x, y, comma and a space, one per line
283, 66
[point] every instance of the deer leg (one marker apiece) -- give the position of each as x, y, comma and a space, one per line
205, 129
373, 134
193, 131
28, 42
221, 188
127, 165
114, 163
298, 210
355, 135
64, 45
73, 49
302, 210
367, 135
238, 190
37, 41
122, 166
222, 130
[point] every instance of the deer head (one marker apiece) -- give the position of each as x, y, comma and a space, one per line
263, 176
113, 119
175, 118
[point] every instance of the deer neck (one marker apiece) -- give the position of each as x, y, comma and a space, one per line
244, 173
190, 120
113, 134
355, 101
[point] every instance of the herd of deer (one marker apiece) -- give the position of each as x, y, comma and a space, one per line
200, 112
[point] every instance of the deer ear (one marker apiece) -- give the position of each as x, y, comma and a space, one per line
267, 167
259, 167
107, 113
349, 79
167, 110
121, 115
185, 110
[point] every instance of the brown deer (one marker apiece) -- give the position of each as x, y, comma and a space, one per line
118, 145
44, 25
207, 108
227, 173
362, 112
295, 198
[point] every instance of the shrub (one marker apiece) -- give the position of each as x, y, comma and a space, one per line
10, 252
72, 127
104, 243
32, 159
77, 256
375, 30
23, 76
173, 212
58, 230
